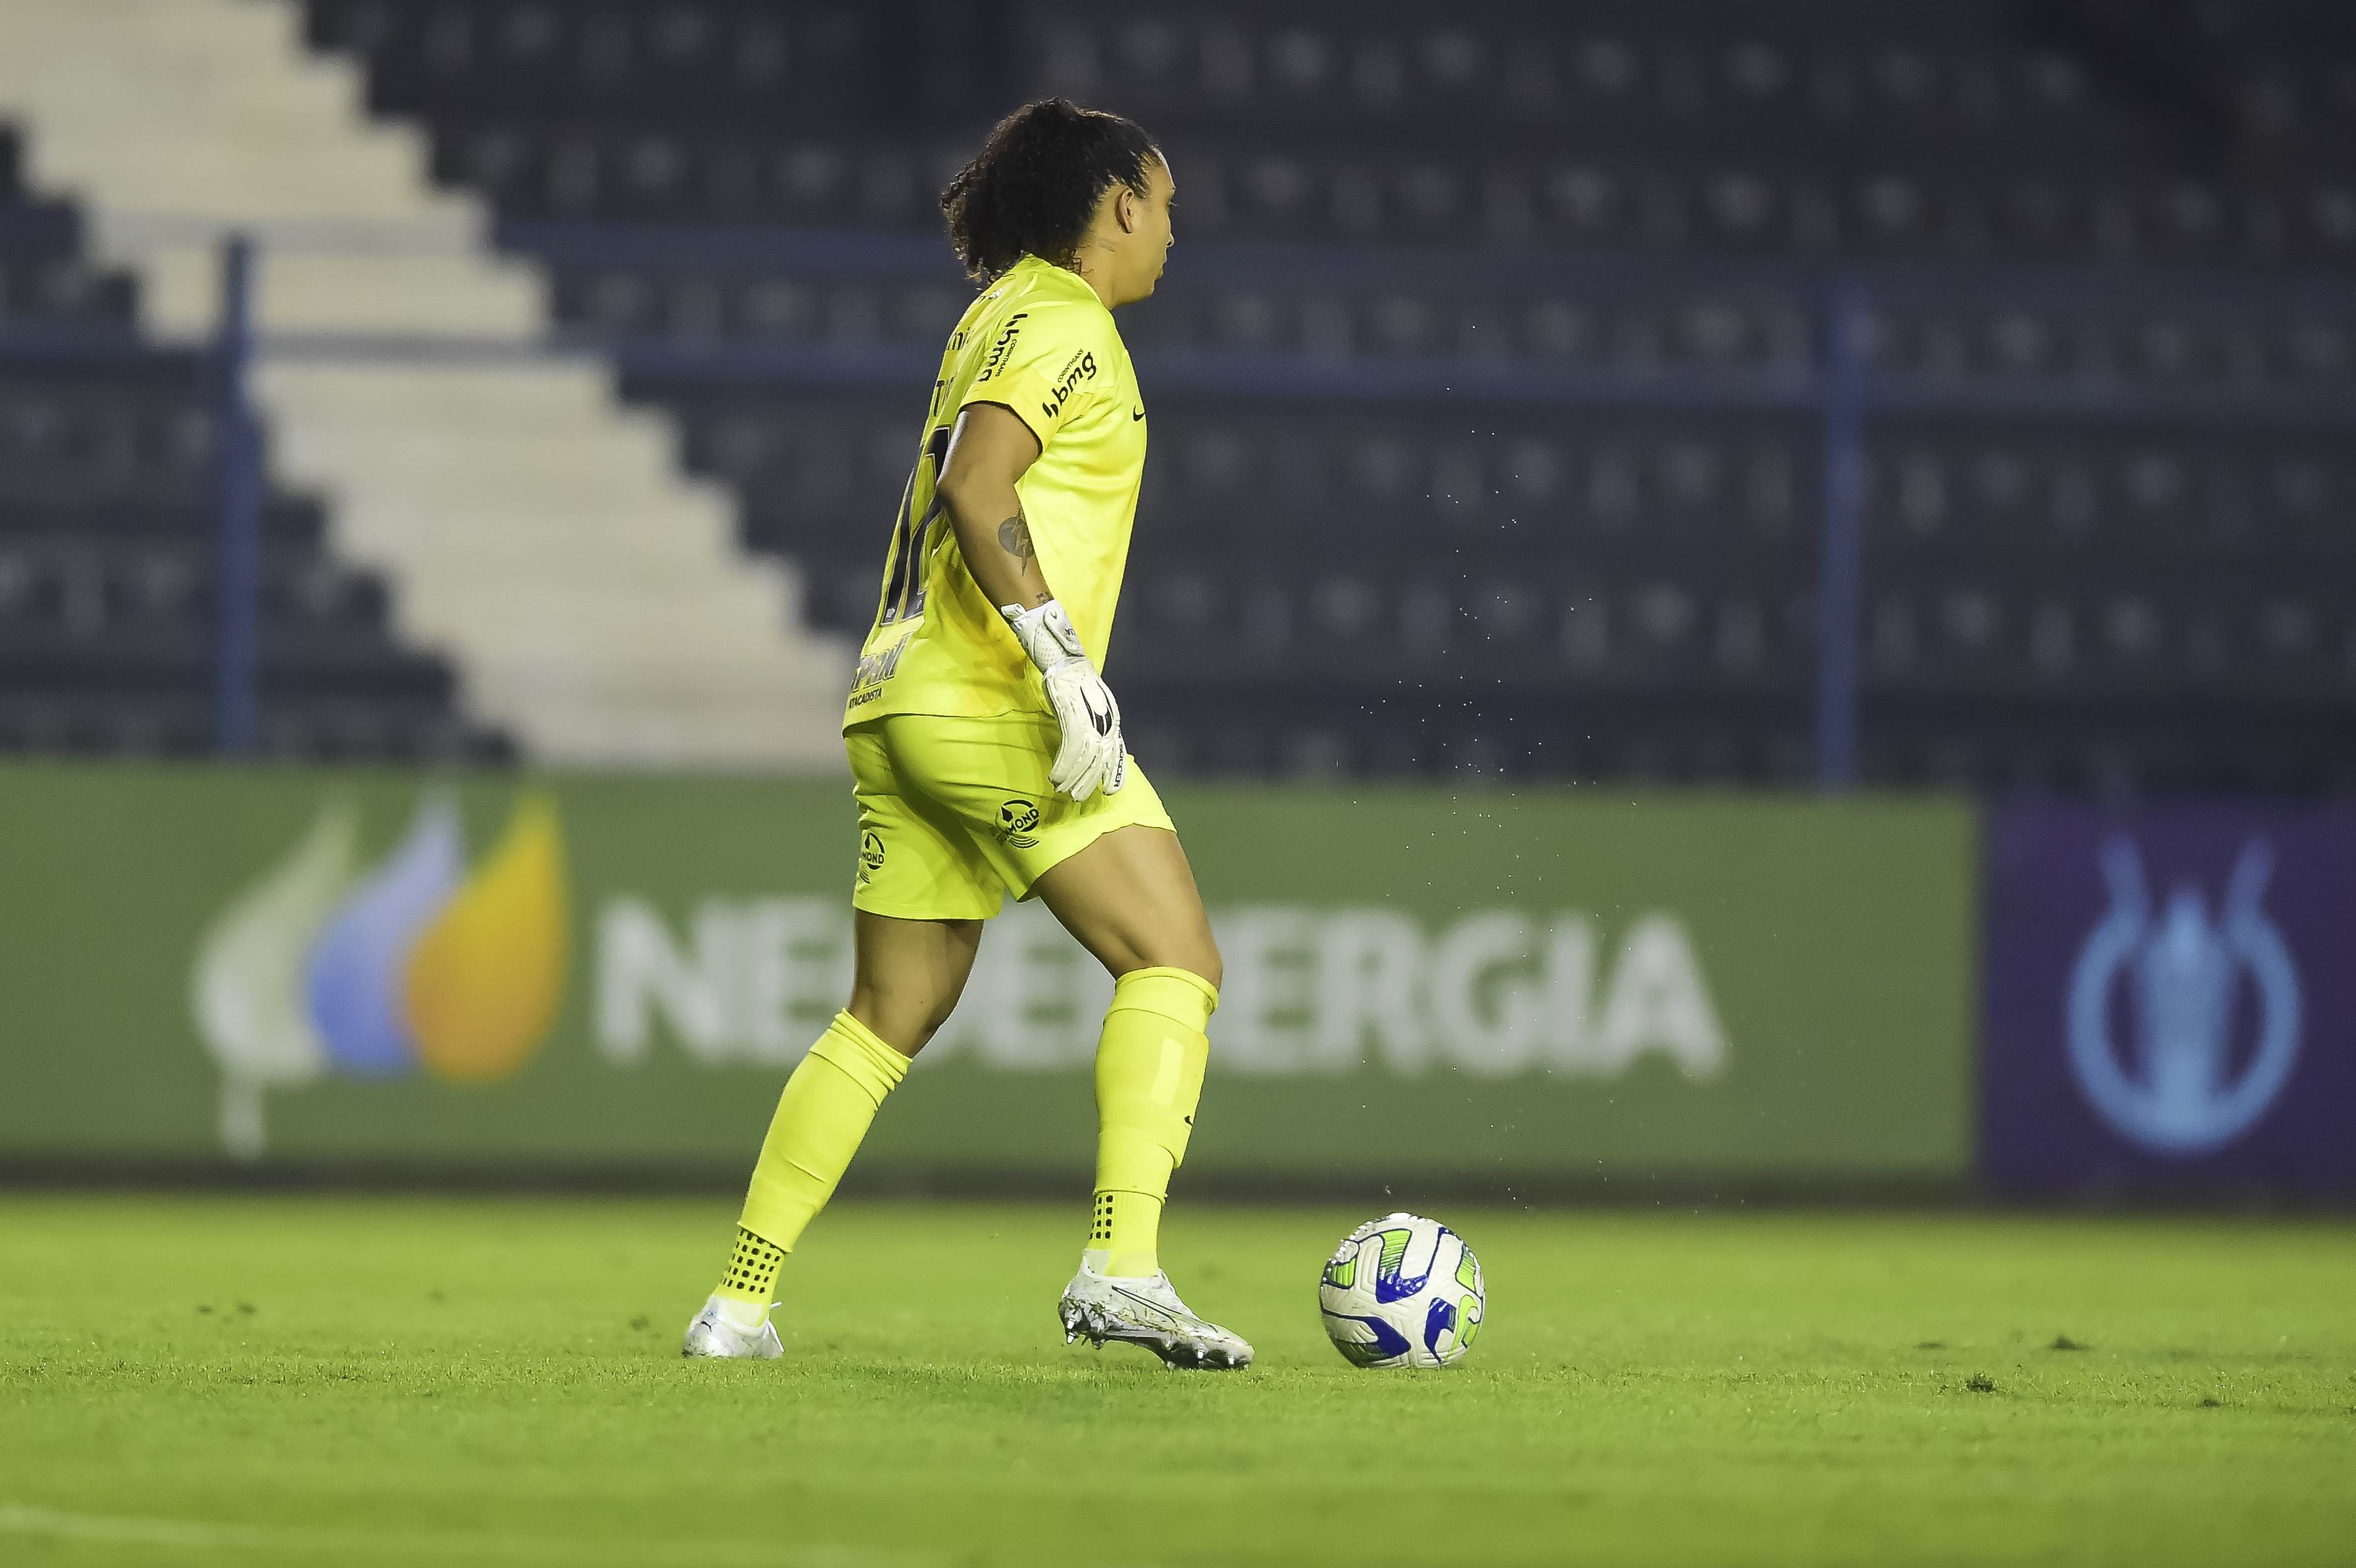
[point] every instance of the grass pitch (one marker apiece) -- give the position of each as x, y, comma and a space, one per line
365, 1380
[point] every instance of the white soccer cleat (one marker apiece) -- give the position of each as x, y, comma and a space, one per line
711, 1334
1146, 1312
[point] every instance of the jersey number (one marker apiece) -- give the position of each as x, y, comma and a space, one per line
903, 580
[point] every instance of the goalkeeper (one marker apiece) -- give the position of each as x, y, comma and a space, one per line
986, 748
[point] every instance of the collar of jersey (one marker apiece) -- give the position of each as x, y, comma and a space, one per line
1046, 276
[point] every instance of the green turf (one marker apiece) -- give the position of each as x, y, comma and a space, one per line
370, 1380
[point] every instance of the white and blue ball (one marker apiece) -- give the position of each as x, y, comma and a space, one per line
1402, 1291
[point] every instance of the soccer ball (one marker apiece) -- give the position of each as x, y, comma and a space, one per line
1402, 1291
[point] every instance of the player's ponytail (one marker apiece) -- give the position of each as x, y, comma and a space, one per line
1035, 186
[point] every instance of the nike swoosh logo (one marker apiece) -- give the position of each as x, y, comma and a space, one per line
1152, 1311
1137, 416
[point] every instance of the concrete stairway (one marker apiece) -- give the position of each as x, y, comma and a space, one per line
537, 533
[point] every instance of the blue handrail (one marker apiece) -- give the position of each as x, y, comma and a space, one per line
238, 465
1841, 565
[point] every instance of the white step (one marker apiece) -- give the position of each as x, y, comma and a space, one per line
594, 600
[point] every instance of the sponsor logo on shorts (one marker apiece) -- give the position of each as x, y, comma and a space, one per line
871, 854
1016, 820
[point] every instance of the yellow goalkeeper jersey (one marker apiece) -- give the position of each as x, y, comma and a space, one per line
1039, 342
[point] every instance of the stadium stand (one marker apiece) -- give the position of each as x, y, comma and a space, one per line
1483, 440
108, 534
543, 540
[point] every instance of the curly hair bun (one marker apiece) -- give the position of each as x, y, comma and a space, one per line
1035, 186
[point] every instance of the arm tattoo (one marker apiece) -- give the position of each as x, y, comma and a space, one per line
1014, 538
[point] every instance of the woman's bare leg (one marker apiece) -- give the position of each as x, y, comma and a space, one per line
1129, 898
908, 974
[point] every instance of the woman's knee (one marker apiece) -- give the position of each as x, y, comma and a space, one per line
903, 1023
909, 975
1210, 967
1198, 955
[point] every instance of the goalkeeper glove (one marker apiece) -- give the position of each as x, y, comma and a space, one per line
1093, 754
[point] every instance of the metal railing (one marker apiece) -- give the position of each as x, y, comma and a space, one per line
1839, 384
237, 439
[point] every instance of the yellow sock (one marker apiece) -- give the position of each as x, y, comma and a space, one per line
821, 1116
1149, 1063
750, 1282
752, 1273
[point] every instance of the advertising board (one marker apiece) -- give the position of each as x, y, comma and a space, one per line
380, 968
2170, 1001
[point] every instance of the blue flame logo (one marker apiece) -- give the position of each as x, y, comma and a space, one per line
420, 963
2176, 1090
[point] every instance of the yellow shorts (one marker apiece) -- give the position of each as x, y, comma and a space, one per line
954, 813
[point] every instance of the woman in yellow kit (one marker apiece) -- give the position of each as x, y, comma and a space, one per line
986, 750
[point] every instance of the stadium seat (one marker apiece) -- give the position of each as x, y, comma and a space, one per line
108, 533
2022, 571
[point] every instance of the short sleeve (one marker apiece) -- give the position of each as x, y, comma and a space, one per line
1048, 365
